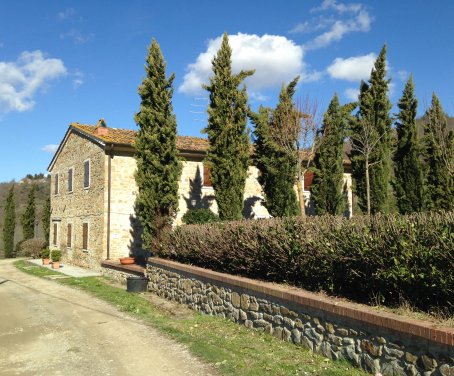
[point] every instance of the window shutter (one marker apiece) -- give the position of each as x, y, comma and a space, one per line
70, 180
207, 176
86, 174
56, 184
308, 179
69, 236
55, 234
85, 236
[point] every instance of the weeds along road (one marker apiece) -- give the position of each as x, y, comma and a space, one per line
50, 329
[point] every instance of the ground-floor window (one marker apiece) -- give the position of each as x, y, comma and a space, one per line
55, 234
85, 236
69, 235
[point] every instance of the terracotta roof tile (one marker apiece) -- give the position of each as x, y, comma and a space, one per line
127, 137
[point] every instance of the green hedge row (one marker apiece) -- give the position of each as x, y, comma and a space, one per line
389, 258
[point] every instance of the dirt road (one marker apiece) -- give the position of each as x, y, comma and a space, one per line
49, 329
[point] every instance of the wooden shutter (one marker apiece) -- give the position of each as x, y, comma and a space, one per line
55, 234
207, 176
70, 180
56, 184
85, 236
308, 179
86, 174
69, 236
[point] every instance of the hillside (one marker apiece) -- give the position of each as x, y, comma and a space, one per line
21, 190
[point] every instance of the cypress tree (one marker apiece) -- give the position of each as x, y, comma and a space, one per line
158, 167
439, 158
45, 219
29, 215
278, 168
9, 223
374, 107
408, 183
326, 189
228, 153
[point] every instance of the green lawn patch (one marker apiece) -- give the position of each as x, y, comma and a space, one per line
233, 349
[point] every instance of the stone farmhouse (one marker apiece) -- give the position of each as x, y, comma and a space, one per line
93, 192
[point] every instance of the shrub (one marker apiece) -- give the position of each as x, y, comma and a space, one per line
32, 247
199, 216
394, 257
56, 255
45, 253
18, 249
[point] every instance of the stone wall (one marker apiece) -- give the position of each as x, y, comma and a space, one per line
119, 273
82, 204
374, 341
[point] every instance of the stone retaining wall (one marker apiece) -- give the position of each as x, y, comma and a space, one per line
374, 341
119, 273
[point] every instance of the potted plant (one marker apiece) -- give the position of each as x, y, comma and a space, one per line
56, 257
127, 260
45, 256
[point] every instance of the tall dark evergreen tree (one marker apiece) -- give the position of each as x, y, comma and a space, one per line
158, 166
326, 190
228, 154
439, 158
374, 108
45, 219
29, 215
278, 168
409, 183
9, 223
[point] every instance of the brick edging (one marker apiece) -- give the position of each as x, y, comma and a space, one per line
387, 321
131, 269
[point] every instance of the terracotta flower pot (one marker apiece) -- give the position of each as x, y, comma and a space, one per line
46, 261
127, 260
56, 265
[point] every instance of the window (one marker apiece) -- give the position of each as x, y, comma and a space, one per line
55, 234
69, 235
308, 179
56, 184
85, 236
86, 174
207, 176
70, 180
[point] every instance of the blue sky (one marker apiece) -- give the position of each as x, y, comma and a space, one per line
66, 61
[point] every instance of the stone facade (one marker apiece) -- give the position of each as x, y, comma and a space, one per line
81, 205
370, 347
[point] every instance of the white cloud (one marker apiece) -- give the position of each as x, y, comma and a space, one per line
51, 148
78, 79
77, 37
403, 75
20, 80
354, 68
65, 14
347, 18
351, 94
275, 58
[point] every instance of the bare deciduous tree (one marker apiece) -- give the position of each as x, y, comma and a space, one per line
365, 142
296, 132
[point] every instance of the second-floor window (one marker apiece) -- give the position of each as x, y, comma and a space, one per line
207, 176
70, 180
86, 174
56, 184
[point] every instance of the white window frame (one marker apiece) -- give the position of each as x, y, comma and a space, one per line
89, 174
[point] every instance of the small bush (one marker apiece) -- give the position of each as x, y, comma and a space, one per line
32, 247
56, 255
45, 253
18, 249
395, 257
199, 216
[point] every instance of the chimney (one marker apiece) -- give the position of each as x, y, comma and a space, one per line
101, 128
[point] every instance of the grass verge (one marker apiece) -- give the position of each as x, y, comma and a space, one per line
233, 349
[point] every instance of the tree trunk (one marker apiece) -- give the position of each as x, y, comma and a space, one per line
367, 187
299, 186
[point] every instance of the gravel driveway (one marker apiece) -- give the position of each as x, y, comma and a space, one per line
50, 329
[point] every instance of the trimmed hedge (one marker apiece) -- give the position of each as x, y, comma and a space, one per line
32, 247
389, 258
